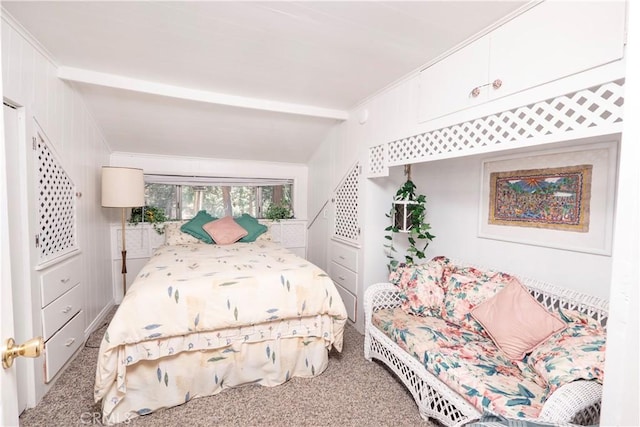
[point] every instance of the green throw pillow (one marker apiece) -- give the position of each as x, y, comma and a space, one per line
253, 227
194, 226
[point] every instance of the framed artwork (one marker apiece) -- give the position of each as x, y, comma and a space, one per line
555, 198
558, 198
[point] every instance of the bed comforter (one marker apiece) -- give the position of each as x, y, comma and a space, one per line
209, 299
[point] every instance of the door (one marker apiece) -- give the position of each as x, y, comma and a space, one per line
8, 380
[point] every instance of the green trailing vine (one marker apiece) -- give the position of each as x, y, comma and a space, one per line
151, 214
418, 234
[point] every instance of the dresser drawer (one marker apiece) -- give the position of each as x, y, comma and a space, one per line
59, 279
344, 277
56, 314
62, 345
350, 302
345, 256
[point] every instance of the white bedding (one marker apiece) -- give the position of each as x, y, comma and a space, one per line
217, 306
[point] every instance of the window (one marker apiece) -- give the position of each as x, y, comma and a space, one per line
182, 197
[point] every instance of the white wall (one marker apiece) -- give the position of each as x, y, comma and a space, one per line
453, 206
30, 82
320, 184
151, 163
622, 380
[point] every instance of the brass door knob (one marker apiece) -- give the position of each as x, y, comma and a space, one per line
30, 348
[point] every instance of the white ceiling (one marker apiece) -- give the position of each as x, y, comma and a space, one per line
314, 60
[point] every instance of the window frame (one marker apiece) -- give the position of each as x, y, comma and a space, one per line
258, 184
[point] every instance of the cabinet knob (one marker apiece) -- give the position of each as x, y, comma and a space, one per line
497, 84
475, 91
67, 309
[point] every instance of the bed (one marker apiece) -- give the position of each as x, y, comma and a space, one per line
200, 318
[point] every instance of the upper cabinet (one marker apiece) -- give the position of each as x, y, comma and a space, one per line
552, 40
446, 86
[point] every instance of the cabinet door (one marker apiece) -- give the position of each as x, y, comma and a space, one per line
445, 87
555, 39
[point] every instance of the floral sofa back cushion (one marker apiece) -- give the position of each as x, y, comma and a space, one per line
421, 286
466, 288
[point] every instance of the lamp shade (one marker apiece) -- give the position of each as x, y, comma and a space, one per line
122, 187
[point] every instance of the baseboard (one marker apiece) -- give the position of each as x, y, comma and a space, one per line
99, 320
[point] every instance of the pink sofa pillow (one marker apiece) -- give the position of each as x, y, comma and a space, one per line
224, 231
467, 287
515, 321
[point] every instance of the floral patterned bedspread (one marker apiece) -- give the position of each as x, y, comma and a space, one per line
206, 291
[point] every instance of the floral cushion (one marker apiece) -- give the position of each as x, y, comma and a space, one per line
421, 287
576, 353
466, 287
467, 362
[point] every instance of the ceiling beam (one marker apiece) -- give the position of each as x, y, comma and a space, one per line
144, 86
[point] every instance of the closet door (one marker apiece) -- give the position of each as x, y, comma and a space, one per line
56, 192
447, 86
346, 225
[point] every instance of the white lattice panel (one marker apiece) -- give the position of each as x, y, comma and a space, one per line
377, 161
588, 108
290, 233
346, 200
56, 205
293, 235
141, 240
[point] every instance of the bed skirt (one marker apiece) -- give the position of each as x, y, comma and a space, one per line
170, 380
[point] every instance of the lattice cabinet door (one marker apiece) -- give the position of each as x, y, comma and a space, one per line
56, 192
346, 225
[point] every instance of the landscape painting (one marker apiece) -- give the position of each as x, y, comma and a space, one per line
553, 198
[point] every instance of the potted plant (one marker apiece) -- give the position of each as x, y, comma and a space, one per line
151, 214
278, 211
408, 212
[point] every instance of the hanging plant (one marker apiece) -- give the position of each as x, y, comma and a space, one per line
151, 214
407, 214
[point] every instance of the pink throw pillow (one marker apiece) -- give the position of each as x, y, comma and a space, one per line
224, 231
466, 288
515, 321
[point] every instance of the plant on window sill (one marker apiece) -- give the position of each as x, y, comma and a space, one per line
151, 214
408, 212
278, 211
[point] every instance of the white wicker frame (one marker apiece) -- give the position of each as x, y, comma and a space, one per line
577, 402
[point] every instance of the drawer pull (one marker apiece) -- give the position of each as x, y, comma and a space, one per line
341, 257
340, 277
67, 309
66, 280
69, 342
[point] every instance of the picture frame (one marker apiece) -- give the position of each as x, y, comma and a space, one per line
582, 223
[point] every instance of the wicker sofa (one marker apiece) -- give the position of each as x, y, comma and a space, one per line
454, 403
